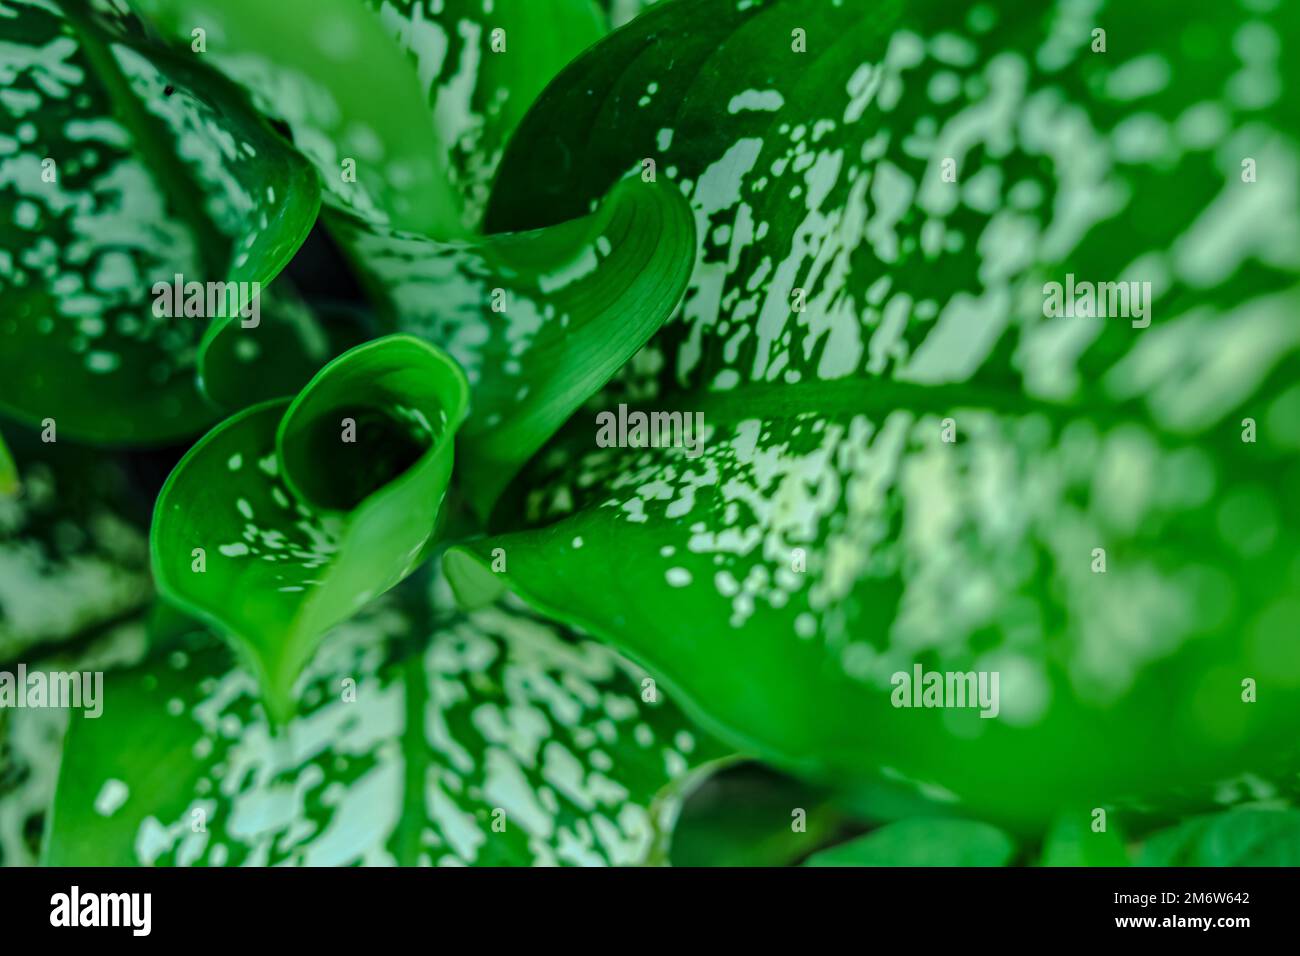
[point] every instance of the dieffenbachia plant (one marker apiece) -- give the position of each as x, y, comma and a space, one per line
538, 321
979, 321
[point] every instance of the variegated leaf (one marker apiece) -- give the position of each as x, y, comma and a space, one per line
72, 557
488, 739
906, 457
121, 167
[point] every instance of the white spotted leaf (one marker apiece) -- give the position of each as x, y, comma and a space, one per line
73, 559
539, 320
289, 516
123, 166
493, 739
908, 460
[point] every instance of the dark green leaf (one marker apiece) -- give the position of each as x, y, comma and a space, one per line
751, 817
9, 481
933, 842
241, 367
481, 66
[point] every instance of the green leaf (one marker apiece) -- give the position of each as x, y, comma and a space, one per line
1073, 842
422, 132
287, 517
918, 467
481, 66
9, 481
539, 321
122, 166
749, 816
241, 367
30, 743
621, 12
72, 558
415, 737
1242, 837
932, 842
326, 86
31, 738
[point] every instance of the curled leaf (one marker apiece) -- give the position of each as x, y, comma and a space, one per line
289, 516
539, 321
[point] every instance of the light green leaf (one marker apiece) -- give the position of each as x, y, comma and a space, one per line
926, 842
1246, 836
1072, 841
918, 467
416, 736
122, 166
289, 516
